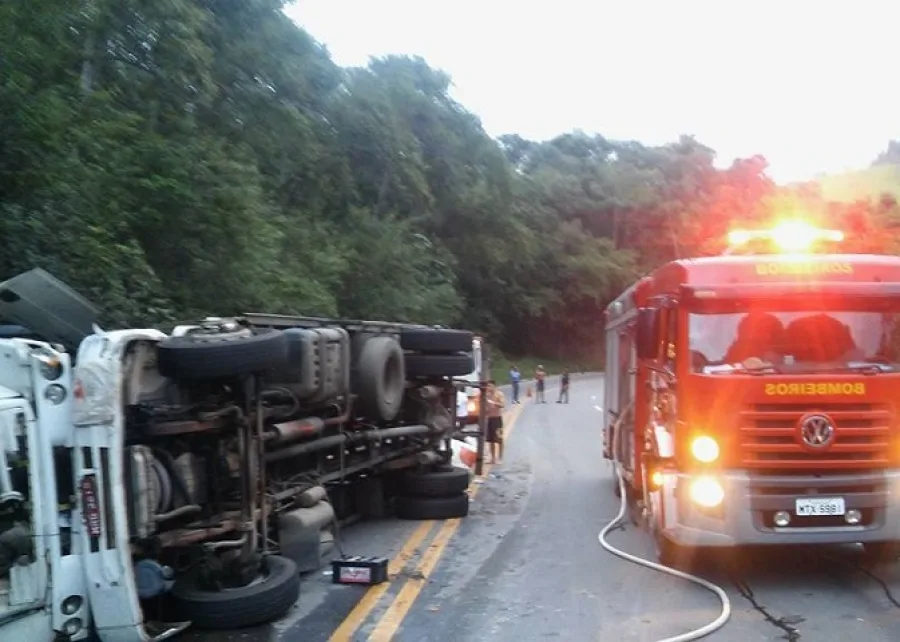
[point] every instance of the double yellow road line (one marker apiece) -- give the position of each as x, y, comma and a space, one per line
390, 621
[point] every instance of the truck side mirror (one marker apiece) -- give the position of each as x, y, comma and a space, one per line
647, 333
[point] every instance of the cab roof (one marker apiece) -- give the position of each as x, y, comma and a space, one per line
760, 268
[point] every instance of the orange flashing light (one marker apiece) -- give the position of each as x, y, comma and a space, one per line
789, 236
739, 237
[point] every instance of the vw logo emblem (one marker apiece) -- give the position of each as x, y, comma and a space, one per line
816, 431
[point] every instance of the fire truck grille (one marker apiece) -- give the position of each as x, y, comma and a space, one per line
769, 436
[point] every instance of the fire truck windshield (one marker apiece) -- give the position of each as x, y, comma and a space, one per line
794, 342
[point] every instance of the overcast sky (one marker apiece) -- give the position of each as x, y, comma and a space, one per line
813, 86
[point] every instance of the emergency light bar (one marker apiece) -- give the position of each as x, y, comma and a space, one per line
845, 291
790, 236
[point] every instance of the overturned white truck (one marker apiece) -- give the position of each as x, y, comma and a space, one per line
159, 480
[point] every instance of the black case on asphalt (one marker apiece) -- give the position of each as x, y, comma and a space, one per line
359, 570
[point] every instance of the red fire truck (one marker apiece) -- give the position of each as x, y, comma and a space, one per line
753, 398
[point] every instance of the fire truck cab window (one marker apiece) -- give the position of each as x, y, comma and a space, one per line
671, 337
794, 341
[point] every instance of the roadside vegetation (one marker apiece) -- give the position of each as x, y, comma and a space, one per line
875, 182
500, 365
186, 157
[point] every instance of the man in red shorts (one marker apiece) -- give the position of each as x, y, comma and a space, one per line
496, 403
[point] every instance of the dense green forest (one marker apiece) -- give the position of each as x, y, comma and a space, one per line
183, 157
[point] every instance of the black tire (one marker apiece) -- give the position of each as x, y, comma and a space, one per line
434, 340
667, 552
882, 552
635, 514
408, 507
381, 378
257, 603
446, 481
213, 356
439, 365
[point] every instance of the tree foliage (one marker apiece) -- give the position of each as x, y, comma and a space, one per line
189, 157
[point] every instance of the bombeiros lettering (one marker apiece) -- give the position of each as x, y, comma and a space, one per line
791, 268
817, 388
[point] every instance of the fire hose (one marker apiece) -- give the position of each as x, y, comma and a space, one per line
695, 634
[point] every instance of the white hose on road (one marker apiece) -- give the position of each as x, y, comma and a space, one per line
696, 634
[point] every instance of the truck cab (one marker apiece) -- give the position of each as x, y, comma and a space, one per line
752, 401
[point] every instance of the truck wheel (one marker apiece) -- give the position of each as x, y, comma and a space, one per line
635, 512
381, 378
882, 552
213, 356
438, 365
264, 600
446, 481
667, 552
432, 507
436, 341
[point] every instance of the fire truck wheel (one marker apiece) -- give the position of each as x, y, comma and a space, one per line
262, 601
667, 552
882, 552
445, 481
616, 488
432, 507
438, 365
635, 512
436, 340
214, 356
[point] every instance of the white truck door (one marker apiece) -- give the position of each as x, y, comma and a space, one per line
23, 566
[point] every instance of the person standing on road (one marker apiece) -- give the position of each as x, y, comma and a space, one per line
496, 402
539, 375
514, 378
564, 387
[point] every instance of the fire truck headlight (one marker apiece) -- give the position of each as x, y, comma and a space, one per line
705, 449
707, 492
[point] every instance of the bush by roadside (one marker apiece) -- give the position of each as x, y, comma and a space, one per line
500, 365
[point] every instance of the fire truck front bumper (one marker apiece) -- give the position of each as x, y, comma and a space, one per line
734, 508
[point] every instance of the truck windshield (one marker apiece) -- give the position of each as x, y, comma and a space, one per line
806, 341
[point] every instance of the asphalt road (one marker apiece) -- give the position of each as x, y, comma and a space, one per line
526, 565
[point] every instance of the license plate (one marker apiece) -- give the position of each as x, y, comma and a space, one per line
820, 506
90, 506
